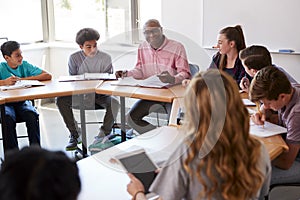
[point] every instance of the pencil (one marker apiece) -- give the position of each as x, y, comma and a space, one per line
259, 111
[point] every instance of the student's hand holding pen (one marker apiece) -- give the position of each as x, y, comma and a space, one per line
259, 117
121, 73
11, 80
166, 77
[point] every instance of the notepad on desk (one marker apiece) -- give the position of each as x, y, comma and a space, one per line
247, 102
266, 130
88, 76
22, 84
152, 82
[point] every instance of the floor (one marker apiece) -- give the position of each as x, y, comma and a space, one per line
54, 134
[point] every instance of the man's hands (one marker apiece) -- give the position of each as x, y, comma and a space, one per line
166, 77
121, 73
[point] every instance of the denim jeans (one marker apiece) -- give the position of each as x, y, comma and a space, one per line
21, 112
143, 108
66, 103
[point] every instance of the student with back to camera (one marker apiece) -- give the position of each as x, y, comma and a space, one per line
219, 159
38, 174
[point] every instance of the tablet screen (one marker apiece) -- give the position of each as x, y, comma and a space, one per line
141, 166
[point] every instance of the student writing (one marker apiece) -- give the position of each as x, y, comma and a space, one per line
14, 69
272, 87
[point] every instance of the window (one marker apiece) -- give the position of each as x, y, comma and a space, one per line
33, 20
21, 20
112, 18
107, 16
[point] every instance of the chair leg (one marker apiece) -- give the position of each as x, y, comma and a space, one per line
157, 118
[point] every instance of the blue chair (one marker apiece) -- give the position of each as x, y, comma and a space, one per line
194, 69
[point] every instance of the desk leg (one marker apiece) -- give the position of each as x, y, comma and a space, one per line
123, 121
83, 127
4, 127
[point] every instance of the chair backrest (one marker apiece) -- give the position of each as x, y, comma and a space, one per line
284, 191
194, 69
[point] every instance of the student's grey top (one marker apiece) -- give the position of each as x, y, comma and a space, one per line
80, 63
173, 182
289, 117
291, 79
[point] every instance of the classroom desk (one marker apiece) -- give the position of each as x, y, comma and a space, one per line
102, 179
52, 88
153, 94
274, 144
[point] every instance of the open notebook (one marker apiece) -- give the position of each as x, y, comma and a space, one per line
152, 82
22, 84
266, 130
88, 76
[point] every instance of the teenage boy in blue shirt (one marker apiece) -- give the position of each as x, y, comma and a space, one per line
12, 70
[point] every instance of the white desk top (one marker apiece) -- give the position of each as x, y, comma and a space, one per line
102, 179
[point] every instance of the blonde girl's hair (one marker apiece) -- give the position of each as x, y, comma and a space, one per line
221, 145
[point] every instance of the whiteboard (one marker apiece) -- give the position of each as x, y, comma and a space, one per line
272, 23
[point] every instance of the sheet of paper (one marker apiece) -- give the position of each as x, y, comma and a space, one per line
247, 102
266, 130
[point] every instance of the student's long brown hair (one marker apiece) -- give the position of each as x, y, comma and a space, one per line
232, 34
222, 148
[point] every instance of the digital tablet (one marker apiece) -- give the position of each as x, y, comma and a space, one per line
140, 165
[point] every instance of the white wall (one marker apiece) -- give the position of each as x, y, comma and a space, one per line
181, 20
186, 17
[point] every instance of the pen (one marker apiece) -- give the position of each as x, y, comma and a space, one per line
259, 111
